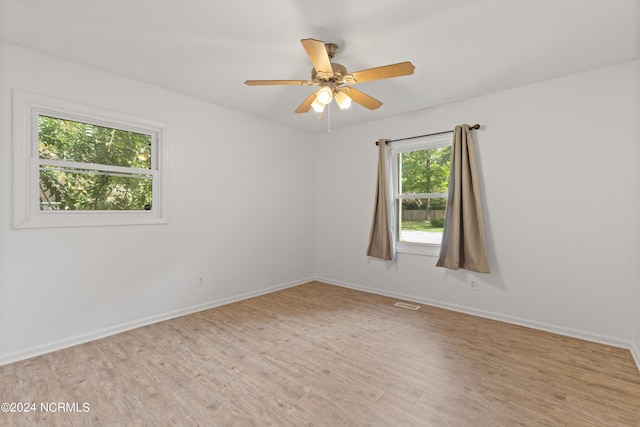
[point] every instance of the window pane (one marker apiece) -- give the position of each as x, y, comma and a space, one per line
81, 189
421, 220
60, 139
425, 171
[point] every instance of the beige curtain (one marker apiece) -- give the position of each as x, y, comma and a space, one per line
381, 238
463, 236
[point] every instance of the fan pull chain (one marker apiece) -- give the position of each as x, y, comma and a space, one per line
329, 119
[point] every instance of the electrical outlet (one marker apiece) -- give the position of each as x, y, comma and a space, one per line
473, 285
199, 281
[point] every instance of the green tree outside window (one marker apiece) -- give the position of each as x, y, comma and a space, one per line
91, 167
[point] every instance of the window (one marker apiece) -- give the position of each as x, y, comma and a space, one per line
80, 166
420, 187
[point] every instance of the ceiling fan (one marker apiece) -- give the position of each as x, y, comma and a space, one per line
332, 76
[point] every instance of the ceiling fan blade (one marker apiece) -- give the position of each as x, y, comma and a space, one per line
278, 82
362, 98
306, 104
384, 72
319, 57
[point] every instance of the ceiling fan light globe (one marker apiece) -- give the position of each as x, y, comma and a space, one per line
317, 106
343, 100
324, 95
345, 104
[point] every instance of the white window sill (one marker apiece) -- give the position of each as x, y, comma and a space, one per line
424, 249
54, 219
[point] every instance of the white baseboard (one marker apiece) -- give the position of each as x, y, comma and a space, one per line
635, 352
569, 332
49, 347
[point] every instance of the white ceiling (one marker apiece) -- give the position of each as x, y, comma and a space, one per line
208, 48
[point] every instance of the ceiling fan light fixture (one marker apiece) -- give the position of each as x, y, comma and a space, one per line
343, 100
317, 106
324, 95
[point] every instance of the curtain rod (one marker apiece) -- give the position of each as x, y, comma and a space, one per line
476, 126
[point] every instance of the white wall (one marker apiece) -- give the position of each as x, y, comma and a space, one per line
557, 164
240, 208
567, 147
635, 348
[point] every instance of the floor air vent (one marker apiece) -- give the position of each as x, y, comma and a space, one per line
406, 305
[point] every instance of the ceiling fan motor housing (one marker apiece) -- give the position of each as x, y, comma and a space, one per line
339, 71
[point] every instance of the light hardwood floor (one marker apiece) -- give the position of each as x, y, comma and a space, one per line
322, 355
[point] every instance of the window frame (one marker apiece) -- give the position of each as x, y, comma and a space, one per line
27, 107
415, 144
